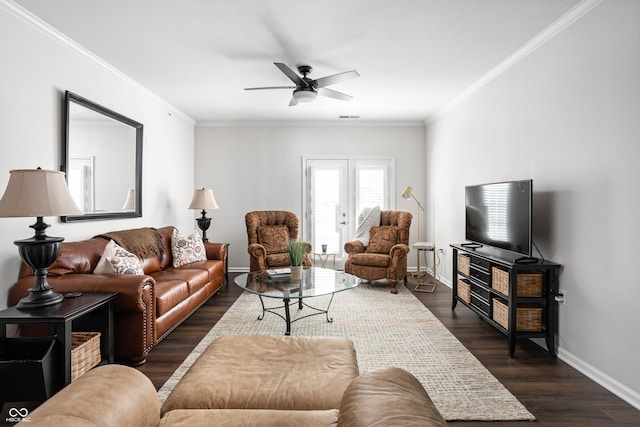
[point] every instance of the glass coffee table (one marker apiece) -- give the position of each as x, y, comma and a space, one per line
315, 282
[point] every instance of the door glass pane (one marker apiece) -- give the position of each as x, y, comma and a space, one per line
325, 202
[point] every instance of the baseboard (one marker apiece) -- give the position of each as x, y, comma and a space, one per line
614, 386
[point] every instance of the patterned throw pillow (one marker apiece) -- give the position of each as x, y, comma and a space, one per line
127, 265
117, 260
187, 250
382, 239
104, 266
274, 238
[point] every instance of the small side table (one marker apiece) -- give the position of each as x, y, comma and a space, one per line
88, 312
426, 246
324, 258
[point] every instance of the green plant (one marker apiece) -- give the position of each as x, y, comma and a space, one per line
296, 251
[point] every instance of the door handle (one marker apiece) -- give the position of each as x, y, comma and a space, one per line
343, 223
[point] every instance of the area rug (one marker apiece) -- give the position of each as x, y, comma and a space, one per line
388, 330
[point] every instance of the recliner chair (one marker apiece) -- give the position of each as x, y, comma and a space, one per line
268, 233
385, 257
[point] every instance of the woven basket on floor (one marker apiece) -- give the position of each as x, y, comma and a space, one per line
85, 352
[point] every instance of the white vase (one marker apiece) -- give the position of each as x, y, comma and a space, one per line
296, 273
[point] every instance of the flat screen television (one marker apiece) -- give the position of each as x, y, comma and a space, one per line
500, 215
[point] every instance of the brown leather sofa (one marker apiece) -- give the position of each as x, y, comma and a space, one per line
148, 307
116, 395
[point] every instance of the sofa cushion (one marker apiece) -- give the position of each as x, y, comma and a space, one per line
274, 238
388, 396
170, 293
187, 249
249, 417
382, 239
267, 372
195, 278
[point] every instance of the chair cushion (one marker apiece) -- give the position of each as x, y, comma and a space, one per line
382, 239
370, 260
274, 238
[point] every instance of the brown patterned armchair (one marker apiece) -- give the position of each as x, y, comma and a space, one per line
268, 233
385, 257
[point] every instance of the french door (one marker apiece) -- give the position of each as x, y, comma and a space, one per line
336, 191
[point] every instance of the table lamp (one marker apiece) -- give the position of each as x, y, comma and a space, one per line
203, 199
39, 193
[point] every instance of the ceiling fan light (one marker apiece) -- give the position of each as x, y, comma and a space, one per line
304, 95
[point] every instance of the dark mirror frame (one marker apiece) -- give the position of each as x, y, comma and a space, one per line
71, 97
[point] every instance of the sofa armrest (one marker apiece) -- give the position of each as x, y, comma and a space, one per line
133, 292
389, 397
216, 251
354, 247
399, 250
110, 395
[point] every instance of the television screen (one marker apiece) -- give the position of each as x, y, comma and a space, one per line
499, 215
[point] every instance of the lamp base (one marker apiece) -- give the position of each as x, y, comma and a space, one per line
203, 224
39, 299
39, 252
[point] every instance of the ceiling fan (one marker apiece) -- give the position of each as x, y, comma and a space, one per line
307, 89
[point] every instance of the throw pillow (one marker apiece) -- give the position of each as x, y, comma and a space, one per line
125, 263
382, 239
187, 249
274, 238
369, 217
104, 266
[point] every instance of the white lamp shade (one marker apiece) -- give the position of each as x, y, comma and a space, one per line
37, 193
408, 192
203, 199
130, 203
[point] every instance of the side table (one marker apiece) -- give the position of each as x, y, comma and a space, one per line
324, 258
88, 312
426, 246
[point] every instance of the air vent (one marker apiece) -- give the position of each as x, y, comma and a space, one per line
349, 117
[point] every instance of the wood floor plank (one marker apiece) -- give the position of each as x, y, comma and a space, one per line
557, 394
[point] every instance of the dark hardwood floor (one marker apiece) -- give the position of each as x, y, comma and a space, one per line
554, 392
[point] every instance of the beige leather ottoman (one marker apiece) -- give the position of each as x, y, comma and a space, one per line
267, 372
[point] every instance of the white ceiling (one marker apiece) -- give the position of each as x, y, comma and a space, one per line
414, 56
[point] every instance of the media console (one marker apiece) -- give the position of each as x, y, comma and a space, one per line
516, 298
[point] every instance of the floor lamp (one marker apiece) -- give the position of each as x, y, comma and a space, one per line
407, 194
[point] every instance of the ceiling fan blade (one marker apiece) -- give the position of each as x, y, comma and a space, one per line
293, 76
334, 94
270, 87
337, 78
293, 102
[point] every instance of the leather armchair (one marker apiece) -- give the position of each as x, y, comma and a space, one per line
268, 233
386, 255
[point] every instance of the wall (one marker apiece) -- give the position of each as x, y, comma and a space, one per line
36, 70
260, 168
567, 117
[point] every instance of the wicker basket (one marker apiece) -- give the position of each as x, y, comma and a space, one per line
464, 262
528, 316
85, 352
529, 284
464, 290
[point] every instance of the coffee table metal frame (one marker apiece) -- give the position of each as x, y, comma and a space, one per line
315, 282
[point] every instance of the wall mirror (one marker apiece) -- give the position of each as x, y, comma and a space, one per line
102, 161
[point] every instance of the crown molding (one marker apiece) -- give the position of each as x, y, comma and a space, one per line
41, 26
308, 123
566, 20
